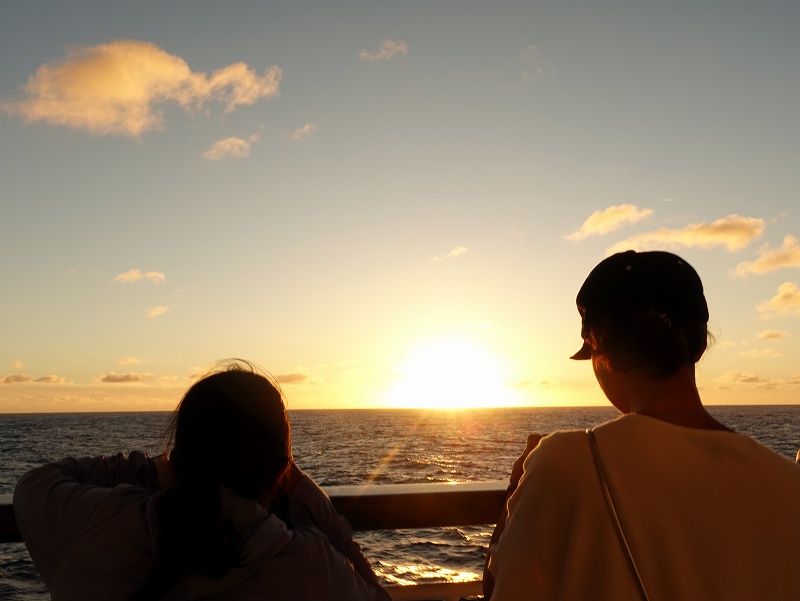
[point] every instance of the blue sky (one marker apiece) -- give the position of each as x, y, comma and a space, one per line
385, 203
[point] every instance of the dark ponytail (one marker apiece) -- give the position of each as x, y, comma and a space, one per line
230, 430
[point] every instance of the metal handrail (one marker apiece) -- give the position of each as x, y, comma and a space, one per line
379, 507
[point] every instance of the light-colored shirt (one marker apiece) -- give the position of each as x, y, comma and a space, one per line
708, 515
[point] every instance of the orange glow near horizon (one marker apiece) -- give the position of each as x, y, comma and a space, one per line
451, 374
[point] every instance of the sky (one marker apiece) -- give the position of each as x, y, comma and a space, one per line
386, 204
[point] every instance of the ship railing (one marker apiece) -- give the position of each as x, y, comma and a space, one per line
388, 507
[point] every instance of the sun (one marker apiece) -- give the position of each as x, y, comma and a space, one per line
451, 374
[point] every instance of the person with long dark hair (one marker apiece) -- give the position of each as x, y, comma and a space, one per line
664, 502
202, 522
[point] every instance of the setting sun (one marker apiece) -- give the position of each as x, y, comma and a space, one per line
451, 374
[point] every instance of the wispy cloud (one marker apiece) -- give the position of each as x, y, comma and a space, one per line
745, 379
295, 378
17, 379
769, 259
115, 378
118, 88
304, 132
388, 49
785, 303
235, 148
733, 233
51, 379
772, 335
741, 377
761, 352
16, 364
156, 311
610, 219
534, 66
25, 378
458, 251
129, 361
134, 275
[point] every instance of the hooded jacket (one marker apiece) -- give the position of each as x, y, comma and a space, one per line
90, 527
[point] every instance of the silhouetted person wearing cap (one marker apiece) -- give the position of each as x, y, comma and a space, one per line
664, 502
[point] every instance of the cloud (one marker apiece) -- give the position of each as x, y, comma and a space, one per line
608, 220
750, 380
733, 233
17, 379
24, 378
740, 377
534, 66
772, 335
118, 88
304, 132
115, 378
134, 275
51, 379
16, 364
237, 148
295, 378
762, 352
129, 361
788, 255
458, 251
156, 311
786, 302
388, 49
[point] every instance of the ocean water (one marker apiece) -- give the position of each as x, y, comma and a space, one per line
352, 447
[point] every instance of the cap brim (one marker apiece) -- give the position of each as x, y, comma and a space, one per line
584, 353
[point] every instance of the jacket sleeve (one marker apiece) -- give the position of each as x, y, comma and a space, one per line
310, 506
53, 502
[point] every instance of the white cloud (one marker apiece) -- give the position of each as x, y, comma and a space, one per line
134, 275
760, 352
740, 377
785, 303
533, 63
17, 379
294, 378
458, 251
769, 259
237, 148
115, 378
733, 233
156, 311
51, 379
25, 378
304, 132
746, 380
608, 220
772, 335
387, 50
118, 88
129, 361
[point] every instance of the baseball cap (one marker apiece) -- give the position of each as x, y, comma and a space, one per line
631, 279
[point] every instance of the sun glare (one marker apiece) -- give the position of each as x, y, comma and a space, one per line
451, 374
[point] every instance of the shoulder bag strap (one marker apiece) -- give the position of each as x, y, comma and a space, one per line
601, 473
